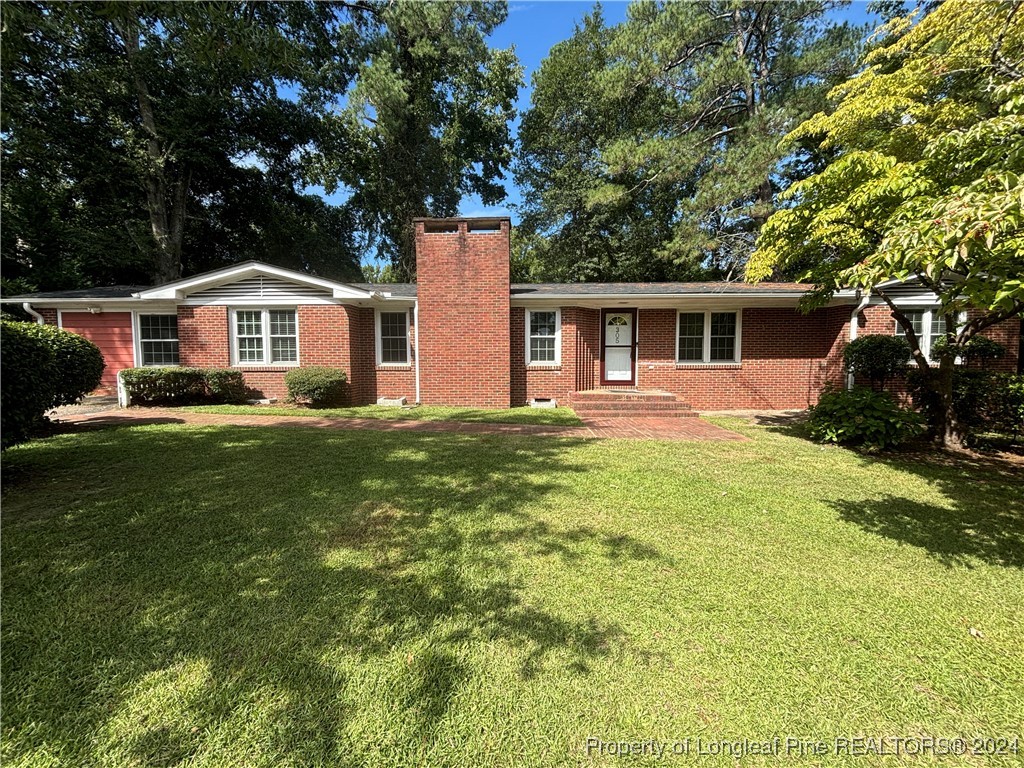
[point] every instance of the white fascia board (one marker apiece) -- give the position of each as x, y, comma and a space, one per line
647, 301
107, 305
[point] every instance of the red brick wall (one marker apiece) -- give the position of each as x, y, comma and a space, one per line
463, 291
547, 380
786, 357
203, 337
369, 380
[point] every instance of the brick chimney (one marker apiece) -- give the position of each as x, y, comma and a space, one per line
462, 275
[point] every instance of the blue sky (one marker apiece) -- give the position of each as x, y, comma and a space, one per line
533, 27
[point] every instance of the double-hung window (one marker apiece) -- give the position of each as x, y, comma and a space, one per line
393, 338
265, 337
929, 326
543, 337
158, 339
708, 337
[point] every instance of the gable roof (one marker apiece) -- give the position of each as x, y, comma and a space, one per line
178, 289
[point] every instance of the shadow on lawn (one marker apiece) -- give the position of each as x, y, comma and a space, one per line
984, 519
255, 564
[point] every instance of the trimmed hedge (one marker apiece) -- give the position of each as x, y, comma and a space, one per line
179, 385
79, 363
316, 385
863, 417
877, 357
27, 383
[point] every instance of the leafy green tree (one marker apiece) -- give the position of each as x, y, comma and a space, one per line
426, 120
573, 117
926, 185
723, 81
135, 119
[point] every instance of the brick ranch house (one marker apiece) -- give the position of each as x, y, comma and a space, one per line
463, 335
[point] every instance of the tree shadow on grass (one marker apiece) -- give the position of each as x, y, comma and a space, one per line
160, 583
983, 519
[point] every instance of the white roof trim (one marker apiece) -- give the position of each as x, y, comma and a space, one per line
179, 289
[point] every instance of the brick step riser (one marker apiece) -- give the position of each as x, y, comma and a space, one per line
621, 398
637, 414
674, 406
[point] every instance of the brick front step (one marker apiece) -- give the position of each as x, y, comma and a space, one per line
630, 405
626, 395
635, 413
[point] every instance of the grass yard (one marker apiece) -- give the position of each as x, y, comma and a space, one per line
256, 597
564, 417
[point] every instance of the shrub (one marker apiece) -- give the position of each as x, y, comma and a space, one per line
877, 357
225, 385
79, 363
862, 416
983, 400
173, 385
316, 385
27, 383
979, 349
1006, 414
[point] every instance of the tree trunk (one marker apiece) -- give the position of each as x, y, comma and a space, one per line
166, 197
949, 429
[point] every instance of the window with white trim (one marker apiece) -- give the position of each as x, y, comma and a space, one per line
929, 325
543, 337
393, 338
265, 337
158, 339
708, 337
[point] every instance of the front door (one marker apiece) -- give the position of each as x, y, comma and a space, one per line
619, 349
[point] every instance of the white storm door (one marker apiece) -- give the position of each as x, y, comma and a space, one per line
618, 346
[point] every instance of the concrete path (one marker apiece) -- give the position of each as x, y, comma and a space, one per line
621, 428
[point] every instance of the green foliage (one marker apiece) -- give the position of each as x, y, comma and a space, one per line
979, 349
660, 137
180, 385
79, 363
862, 417
984, 401
225, 385
174, 385
316, 385
425, 120
927, 178
877, 357
28, 381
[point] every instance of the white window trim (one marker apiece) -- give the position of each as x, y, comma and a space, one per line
137, 334
265, 324
706, 356
557, 362
924, 339
379, 343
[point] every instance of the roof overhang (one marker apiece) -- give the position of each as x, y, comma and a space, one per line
734, 300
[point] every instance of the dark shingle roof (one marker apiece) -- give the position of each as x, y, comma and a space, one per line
395, 289
653, 289
104, 292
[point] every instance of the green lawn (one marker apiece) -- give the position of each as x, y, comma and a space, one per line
549, 416
237, 596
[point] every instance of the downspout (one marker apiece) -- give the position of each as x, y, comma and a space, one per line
416, 323
853, 331
35, 315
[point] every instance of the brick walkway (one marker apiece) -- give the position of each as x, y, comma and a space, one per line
621, 428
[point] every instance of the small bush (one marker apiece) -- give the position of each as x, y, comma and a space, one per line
225, 385
173, 385
27, 383
316, 385
877, 358
79, 363
863, 417
983, 400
